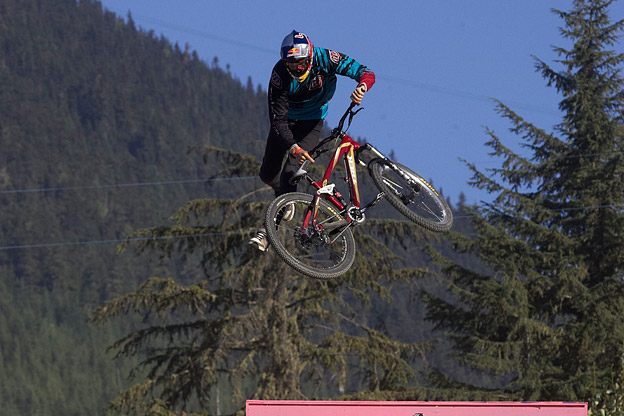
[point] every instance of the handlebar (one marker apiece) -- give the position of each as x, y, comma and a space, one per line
344, 116
337, 132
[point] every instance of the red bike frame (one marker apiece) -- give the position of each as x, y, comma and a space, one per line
346, 151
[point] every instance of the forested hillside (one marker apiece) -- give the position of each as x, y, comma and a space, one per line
538, 317
91, 104
102, 130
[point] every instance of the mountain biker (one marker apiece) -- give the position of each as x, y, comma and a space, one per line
301, 85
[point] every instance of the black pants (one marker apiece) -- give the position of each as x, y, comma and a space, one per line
275, 171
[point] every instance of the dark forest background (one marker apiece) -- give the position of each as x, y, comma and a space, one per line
90, 104
98, 119
106, 129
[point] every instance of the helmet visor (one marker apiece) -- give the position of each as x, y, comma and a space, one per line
292, 53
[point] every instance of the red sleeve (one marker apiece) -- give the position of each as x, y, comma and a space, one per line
367, 78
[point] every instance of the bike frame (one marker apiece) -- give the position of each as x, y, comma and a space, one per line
345, 151
348, 150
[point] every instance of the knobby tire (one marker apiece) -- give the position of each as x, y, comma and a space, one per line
416, 199
310, 257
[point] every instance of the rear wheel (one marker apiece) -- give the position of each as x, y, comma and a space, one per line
411, 195
322, 252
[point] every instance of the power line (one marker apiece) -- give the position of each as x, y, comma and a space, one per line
463, 94
403, 82
241, 232
203, 34
125, 185
117, 241
586, 155
235, 178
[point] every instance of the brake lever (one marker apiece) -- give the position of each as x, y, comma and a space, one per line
320, 152
352, 114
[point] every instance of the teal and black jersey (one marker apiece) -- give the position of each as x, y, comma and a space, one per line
308, 99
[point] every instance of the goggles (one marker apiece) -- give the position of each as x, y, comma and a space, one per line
299, 66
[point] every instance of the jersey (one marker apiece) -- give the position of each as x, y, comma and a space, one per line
308, 100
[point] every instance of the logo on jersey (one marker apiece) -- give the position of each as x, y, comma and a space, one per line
334, 56
276, 81
316, 82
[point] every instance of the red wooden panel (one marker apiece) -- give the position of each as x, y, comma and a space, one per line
338, 408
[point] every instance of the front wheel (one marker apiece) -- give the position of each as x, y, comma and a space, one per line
322, 252
411, 195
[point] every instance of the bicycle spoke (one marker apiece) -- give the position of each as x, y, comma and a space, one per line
393, 185
411, 195
311, 246
429, 210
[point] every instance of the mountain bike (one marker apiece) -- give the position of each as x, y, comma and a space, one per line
318, 241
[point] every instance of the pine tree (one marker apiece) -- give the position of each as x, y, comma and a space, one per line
542, 318
250, 326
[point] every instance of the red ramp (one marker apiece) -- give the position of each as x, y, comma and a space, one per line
339, 408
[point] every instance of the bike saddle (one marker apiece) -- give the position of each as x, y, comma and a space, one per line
299, 174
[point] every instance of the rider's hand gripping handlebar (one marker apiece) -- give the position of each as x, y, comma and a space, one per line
337, 132
318, 149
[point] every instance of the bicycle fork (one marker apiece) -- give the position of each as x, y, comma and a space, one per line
383, 157
414, 187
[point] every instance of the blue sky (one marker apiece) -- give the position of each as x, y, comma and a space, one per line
438, 64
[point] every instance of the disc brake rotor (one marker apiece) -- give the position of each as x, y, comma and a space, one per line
310, 237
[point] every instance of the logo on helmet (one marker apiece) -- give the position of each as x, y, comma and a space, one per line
293, 52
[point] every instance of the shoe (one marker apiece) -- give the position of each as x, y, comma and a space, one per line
260, 240
289, 212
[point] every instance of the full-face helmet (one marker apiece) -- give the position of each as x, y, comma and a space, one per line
297, 52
